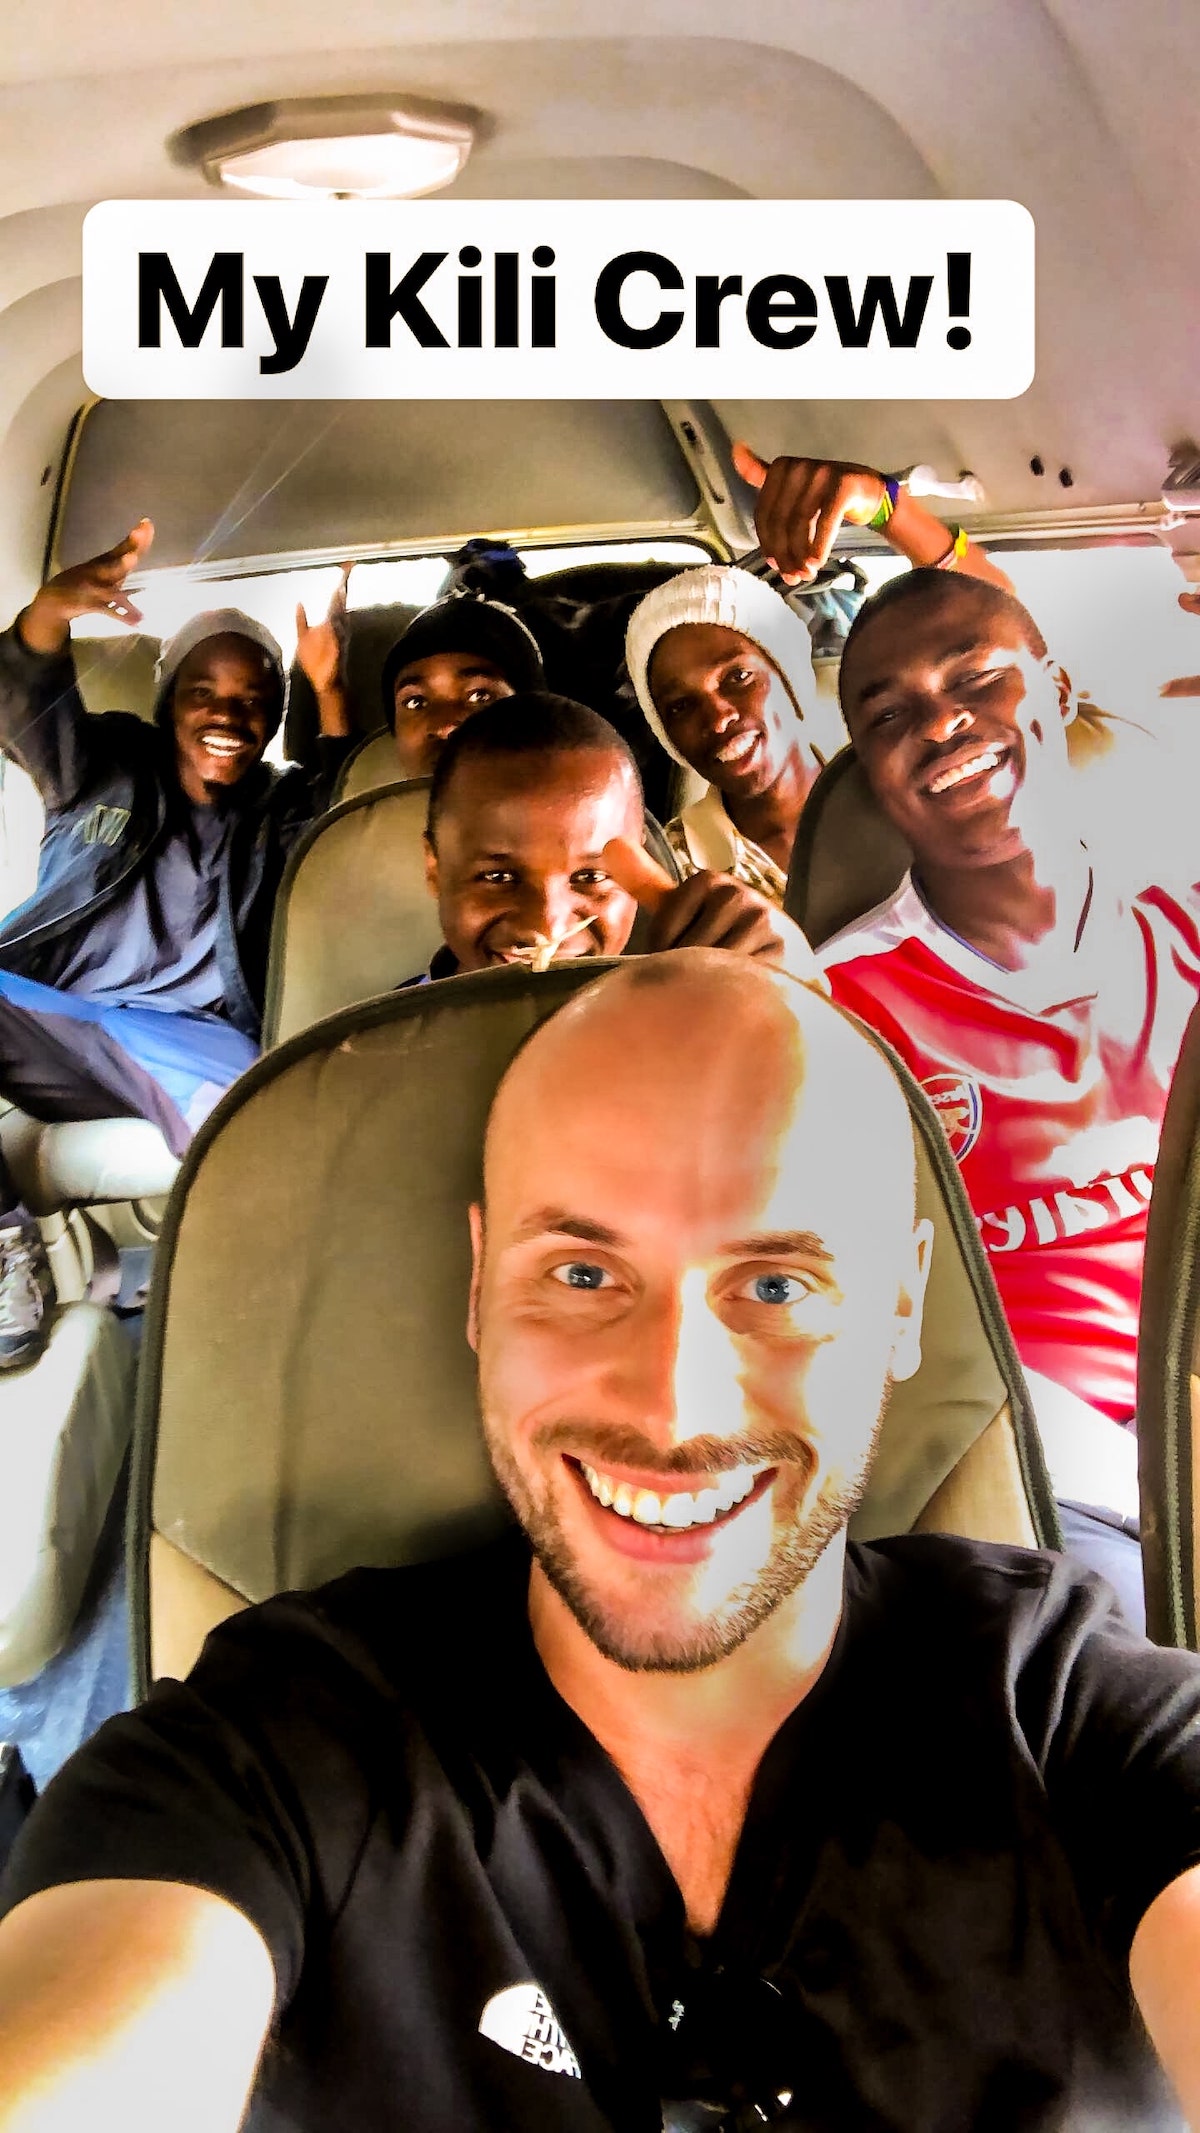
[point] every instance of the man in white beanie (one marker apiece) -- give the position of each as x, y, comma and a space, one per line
723, 671
131, 982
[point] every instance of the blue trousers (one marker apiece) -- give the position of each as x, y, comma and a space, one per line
63, 1056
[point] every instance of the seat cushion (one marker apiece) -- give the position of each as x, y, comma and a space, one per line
65, 1423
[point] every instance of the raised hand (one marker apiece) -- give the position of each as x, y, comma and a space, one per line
320, 645
802, 504
710, 911
96, 587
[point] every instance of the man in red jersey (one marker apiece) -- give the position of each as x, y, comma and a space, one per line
1041, 1011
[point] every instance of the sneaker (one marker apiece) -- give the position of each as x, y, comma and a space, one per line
24, 1294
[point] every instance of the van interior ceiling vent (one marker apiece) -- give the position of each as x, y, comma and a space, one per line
376, 147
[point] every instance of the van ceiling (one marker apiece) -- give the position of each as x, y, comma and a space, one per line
1084, 110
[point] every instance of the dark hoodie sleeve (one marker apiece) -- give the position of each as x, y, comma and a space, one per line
43, 724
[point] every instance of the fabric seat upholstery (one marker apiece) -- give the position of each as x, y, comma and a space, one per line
117, 673
65, 1422
847, 857
353, 916
373, 763
307, 1395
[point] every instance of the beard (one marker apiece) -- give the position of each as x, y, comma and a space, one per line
615, 1632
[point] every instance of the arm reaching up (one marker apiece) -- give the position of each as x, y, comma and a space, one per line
320, 648
43, 724
96, 587
803, 502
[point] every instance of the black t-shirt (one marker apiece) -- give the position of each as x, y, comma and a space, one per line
948, 1848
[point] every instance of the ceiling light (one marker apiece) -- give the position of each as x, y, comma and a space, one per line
333, 147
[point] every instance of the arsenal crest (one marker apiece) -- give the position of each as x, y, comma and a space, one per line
959, 1104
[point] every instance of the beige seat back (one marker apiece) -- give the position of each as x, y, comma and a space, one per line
64, 1432
117, 673
373, 763
1168, 1409
847, 857
354, 916
307, 1395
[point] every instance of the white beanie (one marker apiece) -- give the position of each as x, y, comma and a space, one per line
720, 593
217, 622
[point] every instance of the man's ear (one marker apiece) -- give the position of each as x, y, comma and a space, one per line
475, 1218
906, 1355
431, 865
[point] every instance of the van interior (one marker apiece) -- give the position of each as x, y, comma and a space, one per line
1087, 488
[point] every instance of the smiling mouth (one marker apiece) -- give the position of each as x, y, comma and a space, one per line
979, 764
682, 1511
739, 749
224, 745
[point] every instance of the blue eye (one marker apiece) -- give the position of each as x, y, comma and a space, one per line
581, 1274
778, 1289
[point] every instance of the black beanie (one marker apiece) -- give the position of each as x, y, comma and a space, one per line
464, 622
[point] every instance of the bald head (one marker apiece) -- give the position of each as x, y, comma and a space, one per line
702, 1061
696, 1274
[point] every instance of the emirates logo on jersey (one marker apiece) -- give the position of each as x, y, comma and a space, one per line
522, 2020
958, 1102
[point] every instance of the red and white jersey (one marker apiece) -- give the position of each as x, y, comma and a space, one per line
1051, 1084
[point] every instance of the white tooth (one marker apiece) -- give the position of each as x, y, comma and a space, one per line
677, 1511
589, 1475
605, 1491
706, 1509
647, 1508
623, 1499
974, 766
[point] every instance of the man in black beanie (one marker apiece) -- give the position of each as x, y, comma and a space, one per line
457, 656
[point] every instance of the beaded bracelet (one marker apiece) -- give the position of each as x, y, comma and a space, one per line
887, 503
956, 551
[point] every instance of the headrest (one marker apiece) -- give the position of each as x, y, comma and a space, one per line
847, 857
117, 673
353, 916
373, 763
